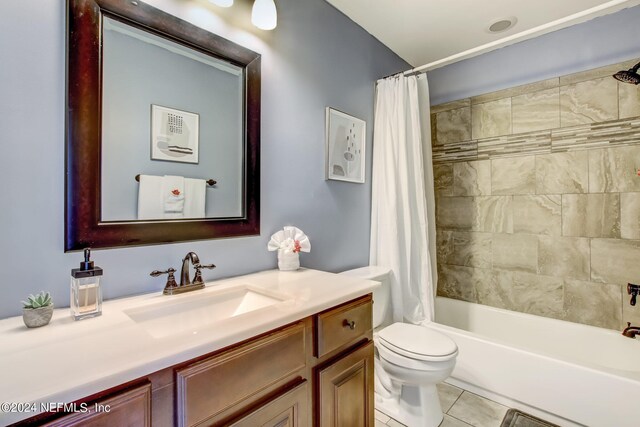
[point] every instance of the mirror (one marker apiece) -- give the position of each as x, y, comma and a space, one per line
163, 122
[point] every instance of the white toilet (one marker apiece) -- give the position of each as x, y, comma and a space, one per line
410, 360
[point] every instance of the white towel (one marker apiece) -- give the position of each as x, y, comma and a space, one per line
173, 196
195, 191
150, 204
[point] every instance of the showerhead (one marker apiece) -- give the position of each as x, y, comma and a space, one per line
629, 76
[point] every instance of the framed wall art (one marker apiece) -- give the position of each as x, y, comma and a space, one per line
345, 147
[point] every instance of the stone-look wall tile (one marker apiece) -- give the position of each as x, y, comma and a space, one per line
455, 213
589, 102
594, 304
453, 126
443, 178
497, 291
434, 129
537, 214
611, 134
444, 245
615, 261
629, 99
491, 119
606, 71
515, 175
453, 105
540, 295
562, 173
515, 252
591, 215
522, 144
570, 194
455, 152
516, 91
614, 170
493, 214
536, 111
459, 282
630, 215
564, 257
472, 178
469, 249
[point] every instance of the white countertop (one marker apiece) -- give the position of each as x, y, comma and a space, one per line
68, 360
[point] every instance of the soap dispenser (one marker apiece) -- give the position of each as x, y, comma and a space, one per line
86, 294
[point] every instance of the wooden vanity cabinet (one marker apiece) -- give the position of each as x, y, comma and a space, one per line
129, 408
314, 372
344, 373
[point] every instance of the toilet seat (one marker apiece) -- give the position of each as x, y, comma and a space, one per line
417, 342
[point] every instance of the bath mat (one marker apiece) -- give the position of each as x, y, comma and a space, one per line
515, 418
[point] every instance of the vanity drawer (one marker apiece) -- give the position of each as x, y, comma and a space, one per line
127, 408
342, 325
288, 409
207, 388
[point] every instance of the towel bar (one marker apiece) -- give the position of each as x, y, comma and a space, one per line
211, 182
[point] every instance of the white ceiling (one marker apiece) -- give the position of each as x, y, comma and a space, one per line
438, 32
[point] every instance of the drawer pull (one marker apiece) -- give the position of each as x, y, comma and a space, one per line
351, 325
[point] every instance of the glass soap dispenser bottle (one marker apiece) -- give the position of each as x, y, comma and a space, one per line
86, 294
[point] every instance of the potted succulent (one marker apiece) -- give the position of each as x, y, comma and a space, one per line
37, 310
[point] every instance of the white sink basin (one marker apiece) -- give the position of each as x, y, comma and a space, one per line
190, 313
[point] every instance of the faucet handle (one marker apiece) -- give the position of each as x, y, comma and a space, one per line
197, 280
207, 266
171, 279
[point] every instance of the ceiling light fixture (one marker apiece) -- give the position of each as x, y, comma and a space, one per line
264, 14
503, 24
222, 3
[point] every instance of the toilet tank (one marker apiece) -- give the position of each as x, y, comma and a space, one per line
381, 295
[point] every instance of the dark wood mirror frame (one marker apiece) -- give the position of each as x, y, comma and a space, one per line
83, 225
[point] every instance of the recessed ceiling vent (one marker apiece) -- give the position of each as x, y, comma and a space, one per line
501, 25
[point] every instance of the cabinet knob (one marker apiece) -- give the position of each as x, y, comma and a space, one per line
349, 324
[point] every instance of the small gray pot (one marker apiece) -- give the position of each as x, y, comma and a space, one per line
36, 317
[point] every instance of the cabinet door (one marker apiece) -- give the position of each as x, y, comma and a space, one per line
130, 408
345, 394
206, 389
287, 410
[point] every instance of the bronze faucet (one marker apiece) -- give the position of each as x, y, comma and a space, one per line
185, 285
631, 331
184, 273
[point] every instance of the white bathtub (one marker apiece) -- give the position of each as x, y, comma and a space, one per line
564, 372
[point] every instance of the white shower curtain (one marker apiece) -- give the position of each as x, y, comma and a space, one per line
399, 215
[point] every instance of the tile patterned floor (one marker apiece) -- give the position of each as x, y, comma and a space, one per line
461, 408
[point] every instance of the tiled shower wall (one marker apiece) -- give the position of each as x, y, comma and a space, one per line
538, 197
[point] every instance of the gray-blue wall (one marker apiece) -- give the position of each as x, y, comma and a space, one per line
601, 41
315, 58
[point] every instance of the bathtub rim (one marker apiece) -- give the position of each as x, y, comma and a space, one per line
631, 376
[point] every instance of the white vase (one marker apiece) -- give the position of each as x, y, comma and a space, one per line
288, 261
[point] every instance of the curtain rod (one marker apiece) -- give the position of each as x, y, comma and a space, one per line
610, 6
410, 72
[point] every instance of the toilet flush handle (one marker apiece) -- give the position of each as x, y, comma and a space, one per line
350, 324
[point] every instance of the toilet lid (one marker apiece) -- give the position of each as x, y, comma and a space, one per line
417, 342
